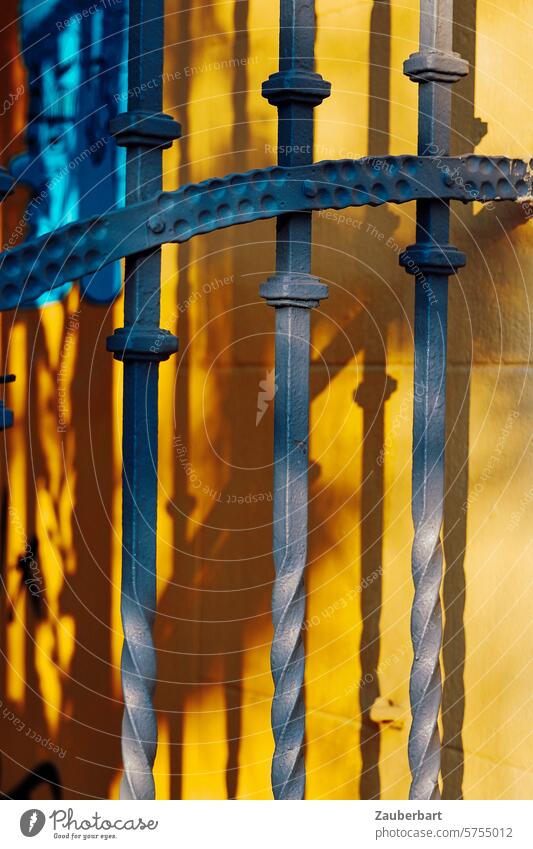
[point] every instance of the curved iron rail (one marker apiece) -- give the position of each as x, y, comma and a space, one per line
86, 246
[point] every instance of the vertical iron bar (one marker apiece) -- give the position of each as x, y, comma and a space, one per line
296, 89
431, 260
6, 415
141, 344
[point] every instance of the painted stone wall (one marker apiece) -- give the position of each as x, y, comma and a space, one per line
61, 649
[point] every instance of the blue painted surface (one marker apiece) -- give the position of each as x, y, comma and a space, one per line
76, 79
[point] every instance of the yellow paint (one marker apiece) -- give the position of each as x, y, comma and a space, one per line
115, 531
48, 674
17, 537
205, 750
162, 765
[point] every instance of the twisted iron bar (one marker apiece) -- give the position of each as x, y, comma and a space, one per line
141, 344
292, 297
427, 558
295, 89
431, 260
139, 723
290, 551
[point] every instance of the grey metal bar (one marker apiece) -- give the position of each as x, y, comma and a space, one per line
141, 345
431, 260
6, 415
296, 89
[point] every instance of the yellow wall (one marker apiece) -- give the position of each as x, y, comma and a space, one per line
60, 674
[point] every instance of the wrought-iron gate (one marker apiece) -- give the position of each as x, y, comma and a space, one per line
289, 191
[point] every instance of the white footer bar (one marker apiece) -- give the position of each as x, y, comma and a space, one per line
269, 825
